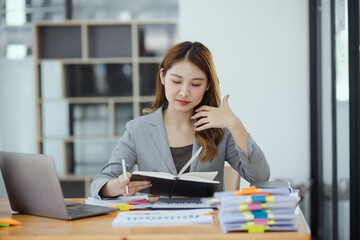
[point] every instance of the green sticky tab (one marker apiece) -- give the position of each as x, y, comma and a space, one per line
245, 227
4, 225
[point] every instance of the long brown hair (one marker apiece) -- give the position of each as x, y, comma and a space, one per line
200, 56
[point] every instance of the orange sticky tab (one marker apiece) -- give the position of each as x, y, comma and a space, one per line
248, 191
10, 221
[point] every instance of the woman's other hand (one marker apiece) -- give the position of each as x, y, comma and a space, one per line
215, 117
222, 117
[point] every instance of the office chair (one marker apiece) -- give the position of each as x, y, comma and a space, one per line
232, 179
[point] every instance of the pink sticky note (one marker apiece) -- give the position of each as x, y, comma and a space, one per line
254, 206
261, 221
138, 202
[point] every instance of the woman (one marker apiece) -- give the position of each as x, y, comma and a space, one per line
186, 114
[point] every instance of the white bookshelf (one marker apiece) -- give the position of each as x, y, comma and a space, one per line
91, 78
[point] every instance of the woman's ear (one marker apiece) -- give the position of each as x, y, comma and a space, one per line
162, 78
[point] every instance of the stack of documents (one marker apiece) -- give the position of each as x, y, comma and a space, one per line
137, 202
142, 202
257, 210
183, 203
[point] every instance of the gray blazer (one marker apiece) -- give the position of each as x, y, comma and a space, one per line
145, 143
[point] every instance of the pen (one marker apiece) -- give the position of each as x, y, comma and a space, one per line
124, 174
190, 161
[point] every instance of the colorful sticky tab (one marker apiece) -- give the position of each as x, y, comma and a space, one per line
255, 228
248, 191
260, 214
254, 206
250, 224
258, 198
270, 199
209, 213
258, 229
137, 202
261, 221
10, 221
271, 222
123, 207
243, 207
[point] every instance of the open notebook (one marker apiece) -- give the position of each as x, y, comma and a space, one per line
193, 184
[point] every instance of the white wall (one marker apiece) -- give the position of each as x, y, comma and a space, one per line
261, 54
17, 108
17, 105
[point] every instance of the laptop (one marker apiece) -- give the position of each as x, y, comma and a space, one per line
33, 188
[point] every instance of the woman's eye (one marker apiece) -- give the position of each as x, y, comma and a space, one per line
176, 82
196, 85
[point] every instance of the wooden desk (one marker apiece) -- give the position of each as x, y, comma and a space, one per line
100, 227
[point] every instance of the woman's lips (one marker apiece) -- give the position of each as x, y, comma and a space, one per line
183, 103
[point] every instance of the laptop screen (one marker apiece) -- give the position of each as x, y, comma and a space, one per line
32, 184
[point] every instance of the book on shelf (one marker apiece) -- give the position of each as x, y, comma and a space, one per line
192, 184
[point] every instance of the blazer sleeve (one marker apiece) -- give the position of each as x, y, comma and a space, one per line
252, 168
125, 148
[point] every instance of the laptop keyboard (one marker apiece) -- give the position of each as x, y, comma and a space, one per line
80, 210
76, 211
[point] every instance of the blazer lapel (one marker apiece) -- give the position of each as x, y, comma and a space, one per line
158, 134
